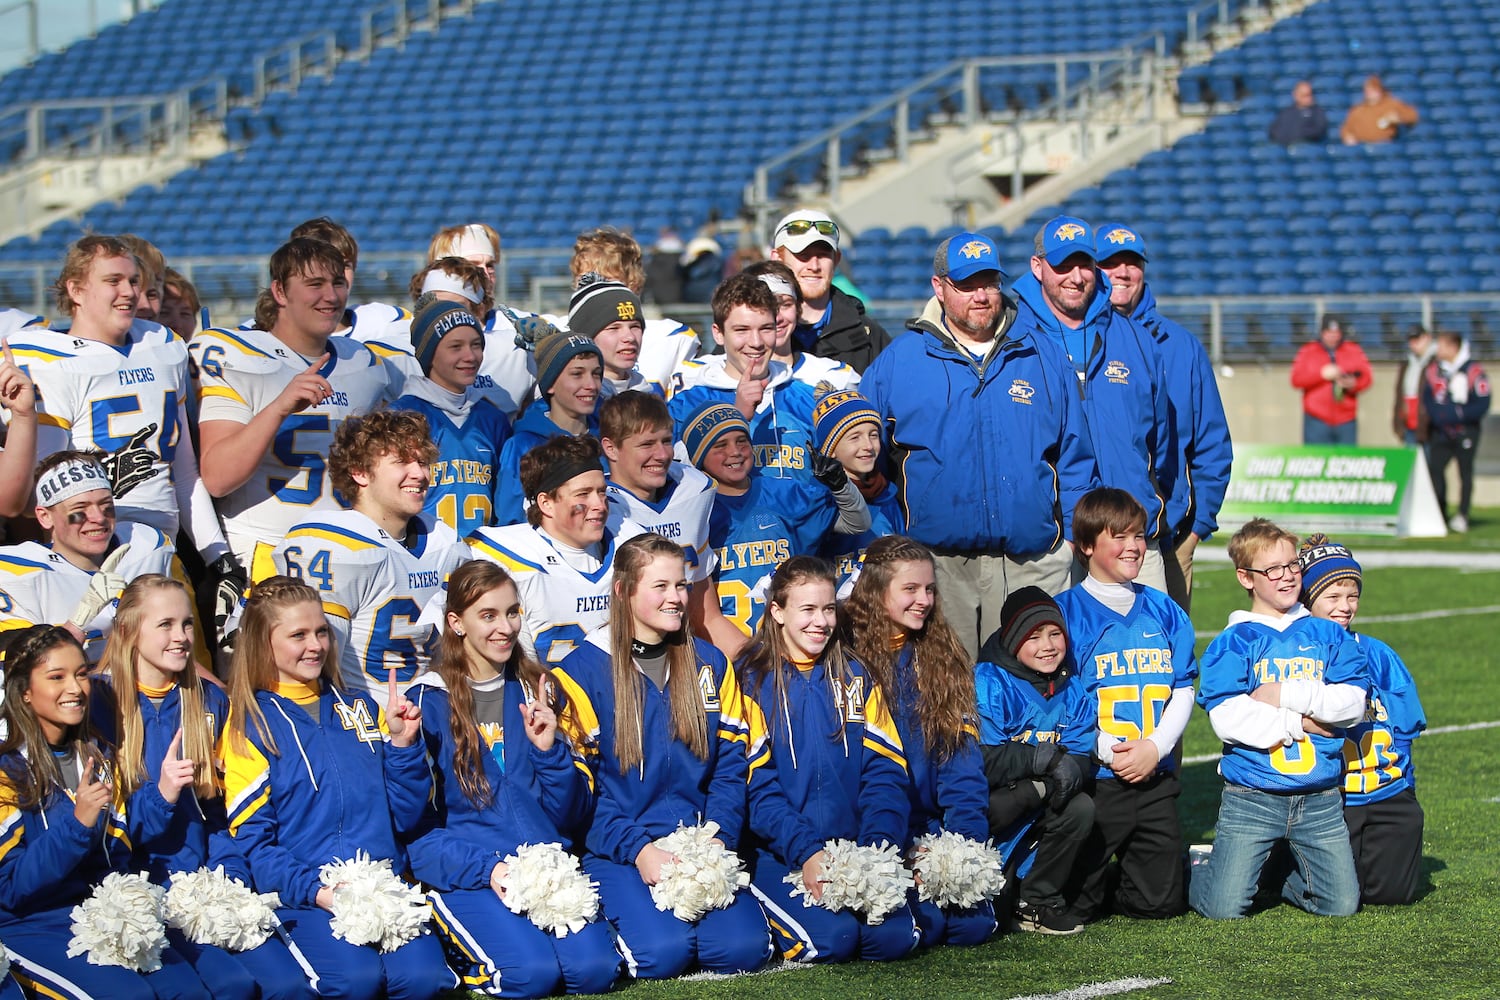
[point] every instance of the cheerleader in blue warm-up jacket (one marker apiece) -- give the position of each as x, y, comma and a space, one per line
825, 762
309, 778
504, 778
898, 633
63, 828
660, 719
150, 652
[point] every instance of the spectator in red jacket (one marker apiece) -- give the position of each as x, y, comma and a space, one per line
1331, 372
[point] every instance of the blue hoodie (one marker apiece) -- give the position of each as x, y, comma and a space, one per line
986, 456
533, 428
1124, 394
1204, 451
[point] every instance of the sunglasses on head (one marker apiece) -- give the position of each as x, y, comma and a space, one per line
799, 226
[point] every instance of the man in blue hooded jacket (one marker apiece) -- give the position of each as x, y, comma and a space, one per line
985, 440
1204, 451
1115, 371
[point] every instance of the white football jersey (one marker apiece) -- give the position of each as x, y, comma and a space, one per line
681, 514
241, 372
506, 374
816, 371
38, 586
373, 588
128, 402
560, 604
12, 320
665, 345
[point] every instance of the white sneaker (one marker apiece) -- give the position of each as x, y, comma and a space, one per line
1458, 523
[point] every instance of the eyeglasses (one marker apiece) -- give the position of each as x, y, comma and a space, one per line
798, 227
1275, 573
969, 287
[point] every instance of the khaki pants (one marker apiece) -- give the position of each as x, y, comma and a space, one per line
1180, 574
974, 587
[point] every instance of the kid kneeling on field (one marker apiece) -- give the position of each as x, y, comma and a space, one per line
1133, 650
1276, 683
1380, 791
1036, 731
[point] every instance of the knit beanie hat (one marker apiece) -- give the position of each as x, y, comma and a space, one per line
835, 413
554, 351
1324, 563
434, 322
598, 302
1025, 611
707, 425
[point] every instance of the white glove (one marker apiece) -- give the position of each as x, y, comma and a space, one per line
103, 588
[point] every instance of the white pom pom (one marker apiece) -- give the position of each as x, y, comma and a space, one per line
4, 962
372, 905
120, 924
957, 871
544, 883
212, 908
871, 880
704, 877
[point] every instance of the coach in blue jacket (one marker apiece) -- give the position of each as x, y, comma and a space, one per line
1204, 450
985, 440
1115, 371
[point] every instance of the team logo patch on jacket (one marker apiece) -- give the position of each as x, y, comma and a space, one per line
708, 688
1116, 371
1021, 391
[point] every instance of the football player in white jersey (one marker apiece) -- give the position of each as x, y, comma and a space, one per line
271, 400
563, 557
119, 384
375, 566
12, 320
665, 343
367, 316
73, 579
808, 368
671, 498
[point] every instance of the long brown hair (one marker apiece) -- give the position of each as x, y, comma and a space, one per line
253, 667
940, 667
35, 776
769, 655
120, 660
466, 586
689, 719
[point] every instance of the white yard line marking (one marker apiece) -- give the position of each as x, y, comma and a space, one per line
1405, 616
1088, 992
698, 977
1468, 727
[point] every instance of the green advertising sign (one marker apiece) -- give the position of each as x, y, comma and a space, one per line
1375, 491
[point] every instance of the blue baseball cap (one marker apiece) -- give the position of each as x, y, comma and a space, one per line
965, 255
1116, 237
1062, 237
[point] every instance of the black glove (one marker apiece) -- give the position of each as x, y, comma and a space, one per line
1063, 779
829, 472
230, 584
133, 464
529, 329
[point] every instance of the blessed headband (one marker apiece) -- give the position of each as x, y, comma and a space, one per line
564, 471
65, 481
439, 280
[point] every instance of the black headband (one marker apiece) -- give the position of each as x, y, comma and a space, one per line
558, 474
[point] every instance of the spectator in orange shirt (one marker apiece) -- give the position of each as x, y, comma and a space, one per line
1378, 117
1331, 372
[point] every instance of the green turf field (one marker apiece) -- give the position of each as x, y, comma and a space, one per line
1443, 946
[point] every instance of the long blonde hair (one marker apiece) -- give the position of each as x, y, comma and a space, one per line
253, 667
120, 661
689, 719
941, 669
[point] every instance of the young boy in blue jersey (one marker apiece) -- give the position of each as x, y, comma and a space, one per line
1132, 647
1276, 684
759, 521
1380, 789
846, 428
1036, 731
467, 428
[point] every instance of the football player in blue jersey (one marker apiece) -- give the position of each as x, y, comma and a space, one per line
1277, 683
1380, 790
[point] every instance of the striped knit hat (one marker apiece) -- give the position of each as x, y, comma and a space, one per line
706, 426
554, 351
1324, 563
432, 324
598, 302
835, 413
1025, 611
